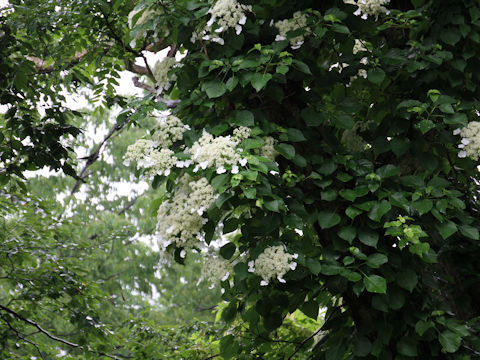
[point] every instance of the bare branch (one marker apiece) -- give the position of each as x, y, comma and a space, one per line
41, 68
96, 153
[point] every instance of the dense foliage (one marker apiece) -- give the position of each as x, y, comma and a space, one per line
321, 157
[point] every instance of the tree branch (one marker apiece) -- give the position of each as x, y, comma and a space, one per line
303, 343
33, 323
96, 153
41, 68
169, 103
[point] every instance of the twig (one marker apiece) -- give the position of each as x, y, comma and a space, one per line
169, 103
96, 153
303, 343
33, 323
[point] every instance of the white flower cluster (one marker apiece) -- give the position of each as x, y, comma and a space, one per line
274, 262
217, 151
168, 130
160, 72
141, 20
299, 21
226, 14
369, 7
215, 270
242, 132
470, 143
267, 150
140, 150
358, 46
180, 220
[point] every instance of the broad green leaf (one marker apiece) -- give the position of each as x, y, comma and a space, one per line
368, 237
470, 232
214, 88
347, 233
407, 279
328, 219
407, 346
447, 229
228, 250
376, 76
376, 260
287, 150
313, 265
379, 209
362, 346
310, 308
260, 80
375, 284
450, 341
423, 206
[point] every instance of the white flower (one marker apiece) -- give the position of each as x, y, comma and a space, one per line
215, 270
358, 46
369, 7
217, 151
299, 21
160, 72
226, 14
470, 142
168, 130
179, 219
273, 263
267, 150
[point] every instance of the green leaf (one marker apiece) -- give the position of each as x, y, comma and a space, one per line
379, 209
407, 279
347, 233
295, 135
376, 76
328, 219
469, 231
287, 150
425, 126
328, 195
219, 181
301, 66
244, 118
376, 260
450, 36
228, 347
362, 346
422, 326
282, 69
241, 270
447, 229
375, 284
274, 205
423, 206
344, 122
313, 265
341, 29
368, 237
353, 212
228, 250
214, 88
248, 144
407, 346
311, 117
450, 341
231, 83
260, 80
310, 308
